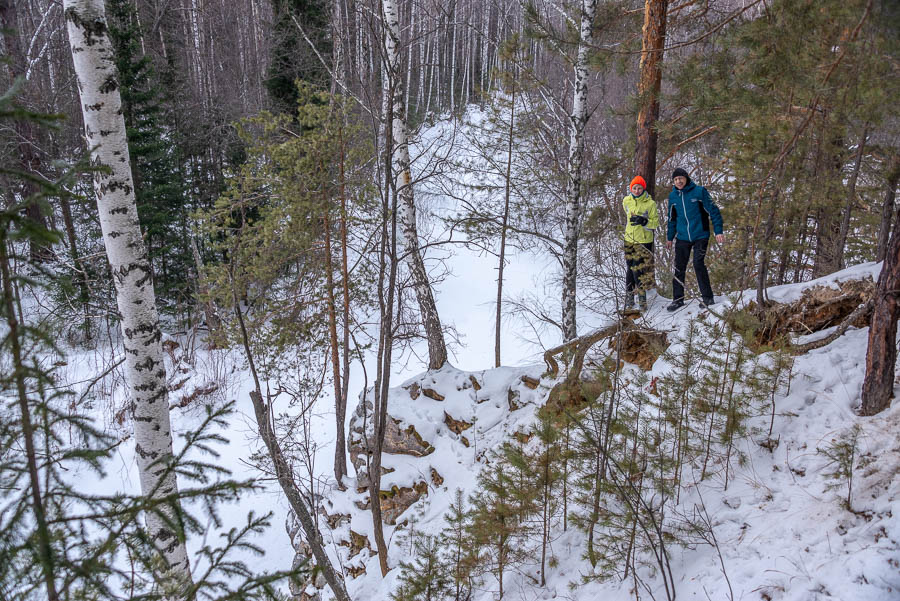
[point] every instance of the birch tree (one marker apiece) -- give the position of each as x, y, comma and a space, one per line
578, 120
145, 372
437, 348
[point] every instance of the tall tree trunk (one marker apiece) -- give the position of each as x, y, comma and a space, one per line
437, 349
653, 39
573, 183
387, 260
887, 209
878, 385
145, 371
29, 161
851, 200
506, 195
828, 227
340, 403
345, 276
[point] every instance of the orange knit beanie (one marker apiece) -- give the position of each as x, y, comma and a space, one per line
638, 180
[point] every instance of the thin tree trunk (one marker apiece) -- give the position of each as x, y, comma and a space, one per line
340, 412
385, 335
573, 184
45, 550
763, 274
851, 200
506, 196
453, 60
345, 275
209, 309
887, 209
437, 349
801, 241
420, 93
878, 385
653, 39
145, 370
80, 272
283, 471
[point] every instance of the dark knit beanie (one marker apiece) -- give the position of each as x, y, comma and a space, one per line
680, 172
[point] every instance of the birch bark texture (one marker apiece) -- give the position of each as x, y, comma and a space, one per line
145, 372
576, 158
653, 39
437, 348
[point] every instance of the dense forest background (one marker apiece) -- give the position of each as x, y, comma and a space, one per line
795, 134
288, 185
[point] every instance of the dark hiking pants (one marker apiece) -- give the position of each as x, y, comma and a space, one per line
682, 253
639, 275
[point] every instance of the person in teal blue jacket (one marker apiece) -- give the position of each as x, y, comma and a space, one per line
690, 212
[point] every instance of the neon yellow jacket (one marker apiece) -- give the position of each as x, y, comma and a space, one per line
642, 205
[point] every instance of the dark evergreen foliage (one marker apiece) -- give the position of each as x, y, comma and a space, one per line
156, 161
292, 58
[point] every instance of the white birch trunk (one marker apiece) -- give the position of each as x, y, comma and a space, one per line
453, 60
145, 371
410, 54
421, 91
432, 62
484, 48
573, 184
437, 349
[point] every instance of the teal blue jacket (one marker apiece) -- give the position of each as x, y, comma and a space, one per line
690, 211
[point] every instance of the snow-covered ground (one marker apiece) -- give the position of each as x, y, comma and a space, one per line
781, 533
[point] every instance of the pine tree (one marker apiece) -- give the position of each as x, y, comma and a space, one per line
781, 120
460, 551
161, 197
496, 518
301, 34
427, 577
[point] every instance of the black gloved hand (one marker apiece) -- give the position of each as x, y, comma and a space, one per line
638, 220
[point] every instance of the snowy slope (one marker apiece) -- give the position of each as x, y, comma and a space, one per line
782, 534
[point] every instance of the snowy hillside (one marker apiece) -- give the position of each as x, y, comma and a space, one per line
780, 530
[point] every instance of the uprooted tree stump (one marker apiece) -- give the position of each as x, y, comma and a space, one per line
820, 307
640, 347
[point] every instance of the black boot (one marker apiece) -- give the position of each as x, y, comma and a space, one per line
676, 304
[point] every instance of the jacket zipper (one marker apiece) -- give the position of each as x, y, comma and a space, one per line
686, 218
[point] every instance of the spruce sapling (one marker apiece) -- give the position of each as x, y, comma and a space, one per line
841, 454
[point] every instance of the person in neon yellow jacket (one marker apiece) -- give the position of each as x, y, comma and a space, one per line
641, 222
